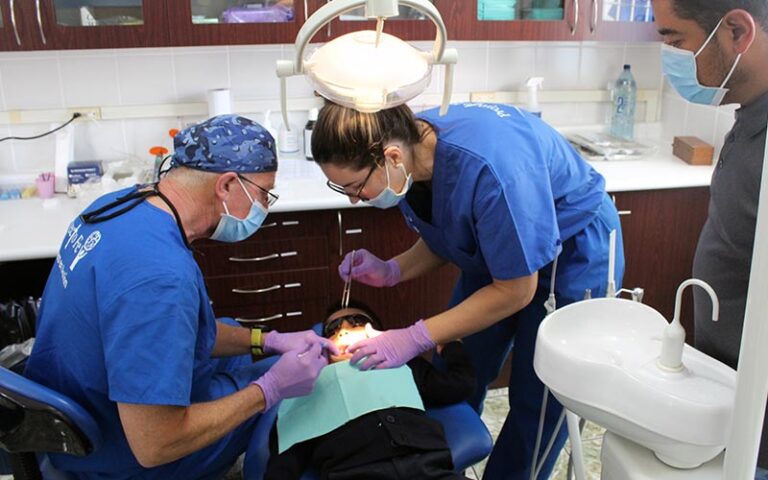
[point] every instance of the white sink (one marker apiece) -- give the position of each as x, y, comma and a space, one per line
599, 358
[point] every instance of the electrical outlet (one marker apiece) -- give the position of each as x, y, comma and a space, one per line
88, 113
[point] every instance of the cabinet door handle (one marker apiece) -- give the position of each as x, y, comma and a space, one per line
294, 314
276, 316
264, 258
595, 16
290, 223
258, 290
341, 233
575, 24
353, 231
623, 213
13, 22
40, 21
268, 225
255, 259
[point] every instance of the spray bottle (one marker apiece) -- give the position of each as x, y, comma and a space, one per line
534, 84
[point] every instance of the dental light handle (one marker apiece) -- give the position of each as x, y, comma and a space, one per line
450, 57
673, 339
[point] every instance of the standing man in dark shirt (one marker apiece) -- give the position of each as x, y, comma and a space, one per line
726, 42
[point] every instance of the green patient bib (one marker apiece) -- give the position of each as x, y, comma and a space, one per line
343, 393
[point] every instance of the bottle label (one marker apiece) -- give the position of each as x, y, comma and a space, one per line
621, 104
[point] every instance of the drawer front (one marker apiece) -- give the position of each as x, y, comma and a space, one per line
284, 316
261, 289
383, 232
263, 256
279, 226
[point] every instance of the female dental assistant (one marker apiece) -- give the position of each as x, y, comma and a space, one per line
500, 194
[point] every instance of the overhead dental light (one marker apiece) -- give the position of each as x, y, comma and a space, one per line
368, 70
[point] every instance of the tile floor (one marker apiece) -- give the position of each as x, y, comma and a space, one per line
494, 413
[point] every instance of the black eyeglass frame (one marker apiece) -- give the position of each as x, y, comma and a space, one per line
354, 319
271, 197
343, 191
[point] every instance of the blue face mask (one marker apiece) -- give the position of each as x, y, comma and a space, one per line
388, 197
232, 229
680, 68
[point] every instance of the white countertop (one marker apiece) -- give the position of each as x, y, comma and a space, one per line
33, 228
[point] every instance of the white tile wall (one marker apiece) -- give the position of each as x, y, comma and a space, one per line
680, 117
68, 79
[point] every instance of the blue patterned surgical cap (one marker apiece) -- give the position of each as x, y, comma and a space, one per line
225, 143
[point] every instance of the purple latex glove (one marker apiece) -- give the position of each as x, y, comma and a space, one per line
293, 375
276, 342
392, 348
370, 269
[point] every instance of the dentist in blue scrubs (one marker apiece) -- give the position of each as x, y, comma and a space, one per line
501, 195
126, 327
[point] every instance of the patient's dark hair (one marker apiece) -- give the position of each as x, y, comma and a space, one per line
708, 12
375, 322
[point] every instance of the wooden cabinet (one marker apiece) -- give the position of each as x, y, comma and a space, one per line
286, 275
661, 229
193, 22
617, 20
90, 24
66, 24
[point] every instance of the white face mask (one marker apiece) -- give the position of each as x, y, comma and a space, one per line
680, 68
388, 197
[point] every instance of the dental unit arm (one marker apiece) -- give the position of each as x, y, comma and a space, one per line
378, 9
673, 340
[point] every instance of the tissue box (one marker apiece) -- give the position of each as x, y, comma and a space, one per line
693, 150
81, 172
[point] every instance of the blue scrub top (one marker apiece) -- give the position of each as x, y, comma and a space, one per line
125, 318
507, 191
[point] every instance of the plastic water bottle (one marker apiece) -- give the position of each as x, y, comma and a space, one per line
624, 97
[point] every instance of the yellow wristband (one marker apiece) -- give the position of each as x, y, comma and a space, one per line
256, 342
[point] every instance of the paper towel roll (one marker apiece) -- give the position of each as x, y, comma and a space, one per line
219, 102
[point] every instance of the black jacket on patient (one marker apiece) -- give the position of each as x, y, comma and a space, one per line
393, 443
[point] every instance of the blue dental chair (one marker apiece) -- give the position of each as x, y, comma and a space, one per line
467, 436
34, 420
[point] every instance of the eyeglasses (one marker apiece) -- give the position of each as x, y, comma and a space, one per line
271, 197
339, 189
355, 320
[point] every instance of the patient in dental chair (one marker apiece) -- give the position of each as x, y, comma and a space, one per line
393, 442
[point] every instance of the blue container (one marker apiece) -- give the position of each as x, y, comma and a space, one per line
497, 9
546, 14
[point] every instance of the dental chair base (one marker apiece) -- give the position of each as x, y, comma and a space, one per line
625, 460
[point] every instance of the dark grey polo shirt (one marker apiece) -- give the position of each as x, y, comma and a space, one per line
724, 253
